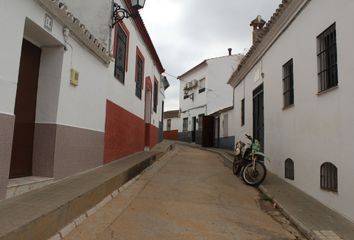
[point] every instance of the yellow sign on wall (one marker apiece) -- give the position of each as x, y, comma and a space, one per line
74, 77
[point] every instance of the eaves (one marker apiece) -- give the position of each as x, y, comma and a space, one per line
77, 30
277, 25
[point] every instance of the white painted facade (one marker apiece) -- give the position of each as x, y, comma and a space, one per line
319, 127
82, 106
174, 124
217, 95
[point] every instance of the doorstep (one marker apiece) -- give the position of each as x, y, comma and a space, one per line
41, 213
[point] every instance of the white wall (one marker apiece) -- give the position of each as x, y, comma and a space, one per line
96, 15
11, 43
174, 124
219, 93
319, 128
83, 106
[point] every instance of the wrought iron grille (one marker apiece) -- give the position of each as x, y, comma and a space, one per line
288, 83
327, 59
329, 177
289, 169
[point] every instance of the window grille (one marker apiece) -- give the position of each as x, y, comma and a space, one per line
289, 169
119, 67
169, 124
288, 84
329, 177
185, 124
200, 122
155, 96
243, 112
202, 85
139, 77
327, 59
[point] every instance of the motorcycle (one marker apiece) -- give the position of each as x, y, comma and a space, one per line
249, 162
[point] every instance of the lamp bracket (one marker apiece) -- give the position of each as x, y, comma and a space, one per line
120, 13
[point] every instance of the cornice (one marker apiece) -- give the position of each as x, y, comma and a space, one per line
78, 30
286, 13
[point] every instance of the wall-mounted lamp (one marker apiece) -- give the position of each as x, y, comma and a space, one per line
120, 13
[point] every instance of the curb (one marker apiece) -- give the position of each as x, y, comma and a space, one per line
64, 232
297, 223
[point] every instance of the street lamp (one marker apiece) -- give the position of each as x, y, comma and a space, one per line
120, 13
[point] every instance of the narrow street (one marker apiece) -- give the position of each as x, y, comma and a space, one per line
188, 194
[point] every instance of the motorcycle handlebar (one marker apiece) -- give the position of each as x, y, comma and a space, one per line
249, 137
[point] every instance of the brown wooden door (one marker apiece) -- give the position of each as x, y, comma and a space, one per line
25, 111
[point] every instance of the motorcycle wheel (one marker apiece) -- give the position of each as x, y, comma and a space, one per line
254, 177
236, 166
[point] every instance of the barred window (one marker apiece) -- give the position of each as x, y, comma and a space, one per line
155, 96
329, 177
139, 77
120, 54
200, 122
327, 59
185, 124
288, 84
289, 169
202, 85
169, 124
243, 112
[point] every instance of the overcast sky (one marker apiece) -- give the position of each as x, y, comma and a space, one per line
185, 32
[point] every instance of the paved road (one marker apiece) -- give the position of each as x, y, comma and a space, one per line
189, 194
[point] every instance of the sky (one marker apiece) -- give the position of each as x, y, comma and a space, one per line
186, 32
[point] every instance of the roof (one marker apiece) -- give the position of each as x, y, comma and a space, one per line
222, 111
287, 11
145, 35
171, 114
203, 63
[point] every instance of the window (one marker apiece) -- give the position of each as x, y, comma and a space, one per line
120, 53
139, 74
289, 169
156, 92
329, 177
169, 124
185, 124
288, 84
327, 59
200, 122
243, 112
202, 85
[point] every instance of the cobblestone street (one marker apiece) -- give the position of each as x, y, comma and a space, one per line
188, 194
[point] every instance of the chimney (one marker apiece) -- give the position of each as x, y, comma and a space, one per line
257, 25
230, 51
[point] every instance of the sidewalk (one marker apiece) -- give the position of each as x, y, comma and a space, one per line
41, 213
315, 220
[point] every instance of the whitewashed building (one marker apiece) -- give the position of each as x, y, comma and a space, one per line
294, 90
203, 92
171, 124
75, 93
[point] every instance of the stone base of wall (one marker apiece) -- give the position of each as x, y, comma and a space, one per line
185, 137
6, 134
227, 143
